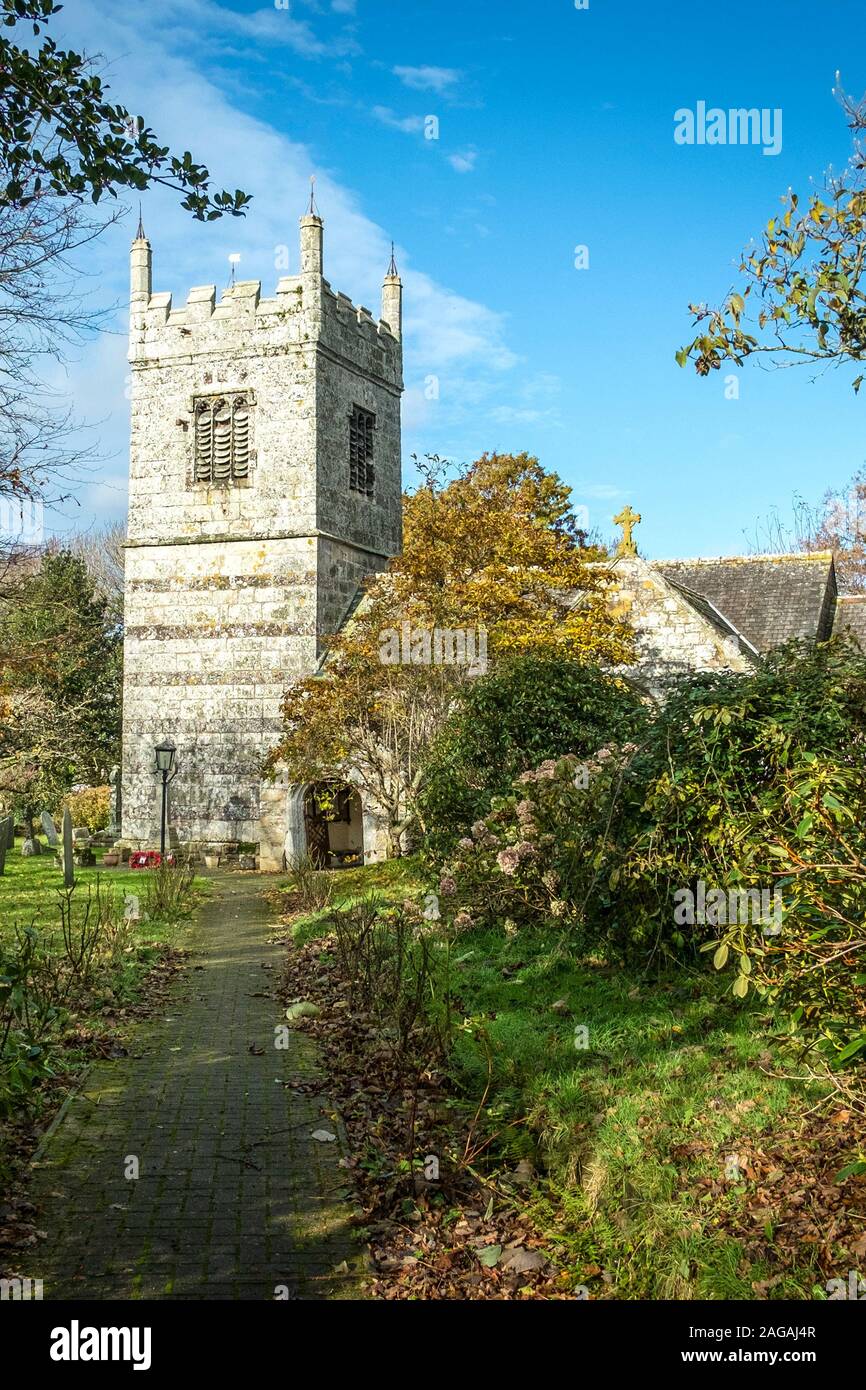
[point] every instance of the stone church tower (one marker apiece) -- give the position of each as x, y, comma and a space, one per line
264, 486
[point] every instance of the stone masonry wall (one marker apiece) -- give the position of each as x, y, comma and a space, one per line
672, 638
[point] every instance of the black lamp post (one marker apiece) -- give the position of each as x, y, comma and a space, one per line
165, 752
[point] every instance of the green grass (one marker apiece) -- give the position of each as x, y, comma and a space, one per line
84, 1006
632, 1130
29, 889
390, 882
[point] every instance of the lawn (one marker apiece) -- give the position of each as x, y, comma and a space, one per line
632, 1093
30, 888
66, 996
628, 1093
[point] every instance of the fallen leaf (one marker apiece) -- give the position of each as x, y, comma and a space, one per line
489, 1256
521, 1261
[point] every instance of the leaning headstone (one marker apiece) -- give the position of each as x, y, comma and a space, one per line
50, 830
2, 851
68, 865
29, 848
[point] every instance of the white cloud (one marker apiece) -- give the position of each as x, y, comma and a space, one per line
459, 340
204, 25
428, 79
464, 162
410, 125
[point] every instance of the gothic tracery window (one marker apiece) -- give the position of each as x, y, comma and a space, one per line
362, 423
222, 439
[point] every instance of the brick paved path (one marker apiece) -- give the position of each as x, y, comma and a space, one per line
234, 1197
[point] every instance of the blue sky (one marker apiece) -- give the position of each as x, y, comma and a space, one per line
555, 131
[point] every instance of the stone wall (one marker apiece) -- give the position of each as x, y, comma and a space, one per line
673, 639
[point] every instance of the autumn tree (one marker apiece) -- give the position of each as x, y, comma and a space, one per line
60, 702
837, 523
495, 550
804, 297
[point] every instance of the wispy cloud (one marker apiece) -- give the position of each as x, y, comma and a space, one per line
464, 161
207, 26
410, 125
429, 79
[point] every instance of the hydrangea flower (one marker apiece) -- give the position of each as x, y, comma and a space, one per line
508, 860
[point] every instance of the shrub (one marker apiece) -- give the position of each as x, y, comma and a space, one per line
91, 807
28, 1013
742, 784
309, 889
537, 856
527, 710
168, 891
397, 967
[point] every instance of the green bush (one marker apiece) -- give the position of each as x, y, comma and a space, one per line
538, 854
91, 807
525, 711
742, 784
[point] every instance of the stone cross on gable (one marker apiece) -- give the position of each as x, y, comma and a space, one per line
627, 519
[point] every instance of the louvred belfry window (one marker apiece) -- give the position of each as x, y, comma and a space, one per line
222, 440
362, 423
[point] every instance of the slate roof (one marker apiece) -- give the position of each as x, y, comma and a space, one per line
767, 599
851, 618
712, 614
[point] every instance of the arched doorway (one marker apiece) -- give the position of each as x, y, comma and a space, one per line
333, 825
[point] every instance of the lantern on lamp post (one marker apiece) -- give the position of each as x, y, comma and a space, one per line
165, 755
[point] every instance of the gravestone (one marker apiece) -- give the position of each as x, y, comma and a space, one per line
116, 782
2, 849
68, 865
7, 832
50, 830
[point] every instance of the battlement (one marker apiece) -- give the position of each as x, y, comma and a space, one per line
304, 308
243, 301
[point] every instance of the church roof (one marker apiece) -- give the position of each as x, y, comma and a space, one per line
766, 599
712, 614
851, 618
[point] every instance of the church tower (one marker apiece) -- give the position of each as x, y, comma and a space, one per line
264, 486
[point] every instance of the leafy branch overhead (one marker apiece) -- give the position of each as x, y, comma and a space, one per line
60, 132
806, 280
